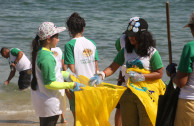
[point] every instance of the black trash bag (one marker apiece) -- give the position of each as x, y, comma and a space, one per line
167, 105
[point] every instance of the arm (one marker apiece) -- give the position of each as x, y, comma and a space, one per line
20, 54
181, 79
71, 67
60, 85
157, 74
185, 66
18, 57
11, 75
64, 66
97, 79
96, 66
111, 69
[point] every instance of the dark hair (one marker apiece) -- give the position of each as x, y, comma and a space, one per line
3, 49
75, 24
35, 48
145, 41
36, 44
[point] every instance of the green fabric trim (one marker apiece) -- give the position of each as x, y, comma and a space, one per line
118, 45
119, 59
15, 51
96, 53
69, 52
187, 58
60, 85
46, 63
156, 61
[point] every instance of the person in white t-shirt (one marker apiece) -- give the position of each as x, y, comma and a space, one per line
18, 61
48, 79
184, 79
139, 52
81, 54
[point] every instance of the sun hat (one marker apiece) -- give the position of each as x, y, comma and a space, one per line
136, 26
191, 20
48, 29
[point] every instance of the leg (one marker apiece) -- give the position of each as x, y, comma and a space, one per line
128, 107
74, 117
63, 120
118, 121
72, 106
48, 121
144, 119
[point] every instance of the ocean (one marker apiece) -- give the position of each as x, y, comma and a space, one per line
105, 20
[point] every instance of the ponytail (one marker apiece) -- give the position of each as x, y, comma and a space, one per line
75, 24
35, 48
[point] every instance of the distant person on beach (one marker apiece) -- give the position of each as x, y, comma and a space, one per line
184, 79
139, 52
81, 54
59, 57
18, 61
47, 76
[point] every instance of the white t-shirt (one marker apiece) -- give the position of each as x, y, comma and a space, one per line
47, 102
23, 64
82, 53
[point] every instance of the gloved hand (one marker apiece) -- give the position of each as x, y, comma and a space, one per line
77, 87
171, 69
136, 77
67, 74
97, 79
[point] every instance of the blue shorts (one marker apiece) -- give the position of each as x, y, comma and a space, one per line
24, 79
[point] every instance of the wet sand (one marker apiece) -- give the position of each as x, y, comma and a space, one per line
30, 119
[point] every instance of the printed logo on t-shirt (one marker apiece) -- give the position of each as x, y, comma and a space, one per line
87, 52
134, 64
55, 53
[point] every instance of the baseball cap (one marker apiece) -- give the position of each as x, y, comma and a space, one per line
191, 20
48, 29
136, 26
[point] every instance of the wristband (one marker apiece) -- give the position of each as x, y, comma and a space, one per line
102, 73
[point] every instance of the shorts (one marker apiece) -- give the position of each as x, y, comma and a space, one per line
184, 113
133, 112
72, 102
24, 79
48, 121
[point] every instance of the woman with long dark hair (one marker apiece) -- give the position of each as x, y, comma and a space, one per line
47, 76
139, 52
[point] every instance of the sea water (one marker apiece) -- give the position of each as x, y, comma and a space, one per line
105, 20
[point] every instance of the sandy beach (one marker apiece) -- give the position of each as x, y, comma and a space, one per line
30, 119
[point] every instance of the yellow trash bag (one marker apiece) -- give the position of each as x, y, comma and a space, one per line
93, 105
148, 92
